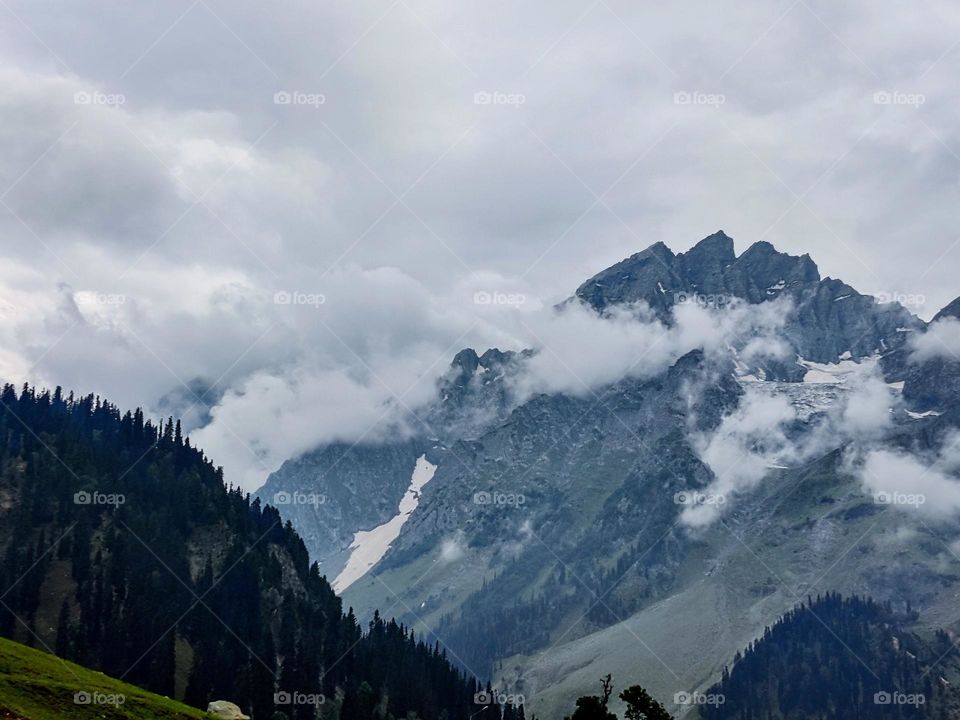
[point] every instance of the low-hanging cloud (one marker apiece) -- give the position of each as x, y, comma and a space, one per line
753, 440
909, 483
941, 340
579, 351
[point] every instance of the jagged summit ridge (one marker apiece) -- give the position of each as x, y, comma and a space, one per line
657, 275
826, 318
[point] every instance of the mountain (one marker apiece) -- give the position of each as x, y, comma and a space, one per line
841, 658
827, 317
342, 488
553, 543
124, 551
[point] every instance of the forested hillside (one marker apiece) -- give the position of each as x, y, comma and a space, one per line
836, 658
123, 551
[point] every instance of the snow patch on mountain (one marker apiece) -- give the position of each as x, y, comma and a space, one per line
369, 546
829, 372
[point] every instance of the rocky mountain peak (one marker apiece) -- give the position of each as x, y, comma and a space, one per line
716, 248
466, 361
826, 317
950, 311
766, 266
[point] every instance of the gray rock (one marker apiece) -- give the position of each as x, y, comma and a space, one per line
226, 710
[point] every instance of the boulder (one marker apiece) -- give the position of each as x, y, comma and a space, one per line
226, 710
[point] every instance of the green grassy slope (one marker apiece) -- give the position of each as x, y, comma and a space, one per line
38, 686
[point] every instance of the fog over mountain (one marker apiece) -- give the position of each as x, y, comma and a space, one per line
419, 179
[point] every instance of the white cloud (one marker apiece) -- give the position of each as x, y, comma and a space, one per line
451, 549
942, 339
741, 451
753, 441
578, 351
103, 199
908, 483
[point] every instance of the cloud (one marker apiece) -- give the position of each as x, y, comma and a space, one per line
579, 352
197, 197
452, 549
942, 339
756, 439
909, 483
866, 414
741, 451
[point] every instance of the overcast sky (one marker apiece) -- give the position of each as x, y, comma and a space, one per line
168, 168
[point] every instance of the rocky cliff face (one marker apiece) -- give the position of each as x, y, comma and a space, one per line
340, 489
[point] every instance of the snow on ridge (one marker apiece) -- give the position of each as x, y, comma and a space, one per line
828, 372
369, 546
921, 415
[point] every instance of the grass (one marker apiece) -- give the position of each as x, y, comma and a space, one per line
39, 686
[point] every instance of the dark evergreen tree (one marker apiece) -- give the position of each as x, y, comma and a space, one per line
641, 706
594, 707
